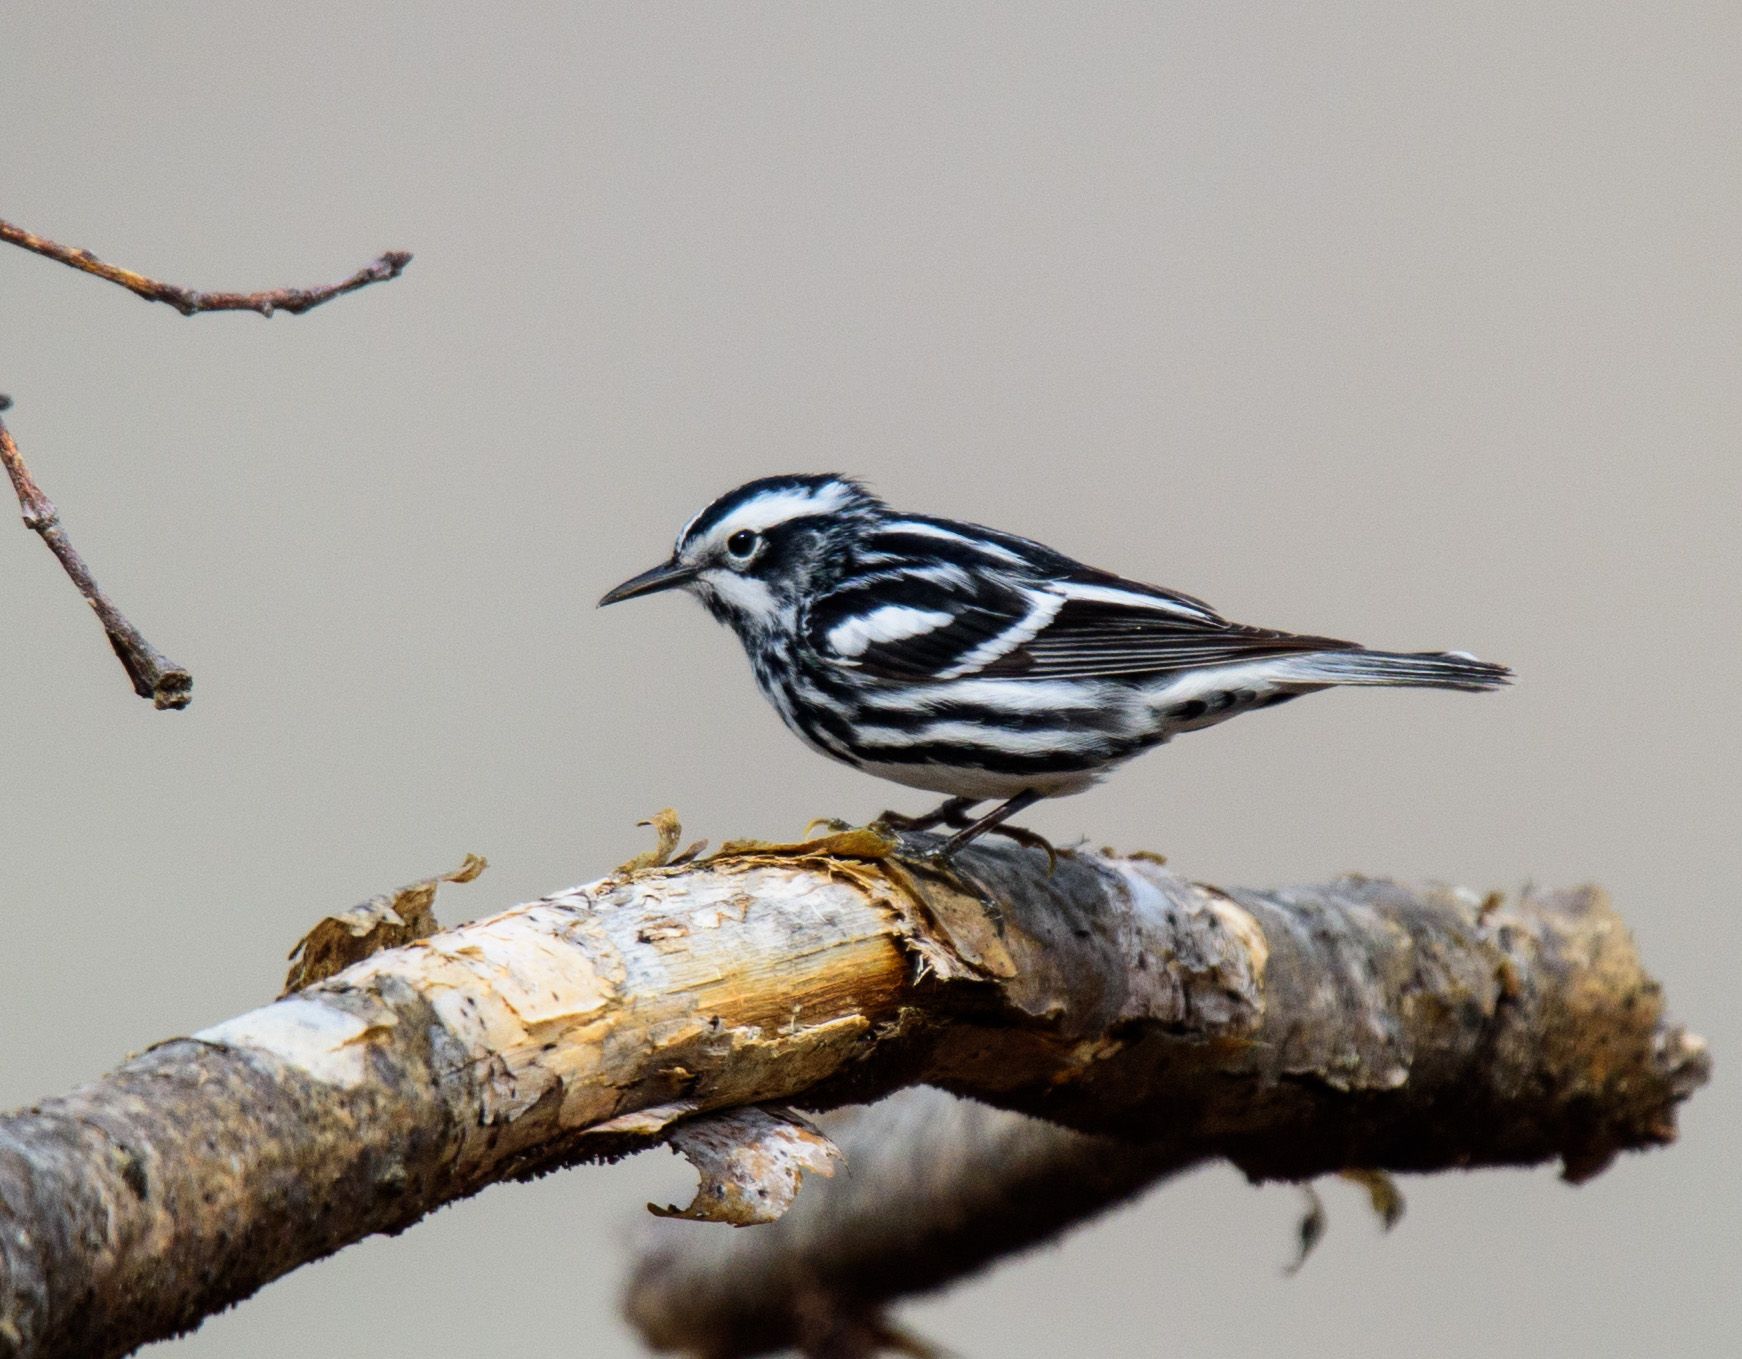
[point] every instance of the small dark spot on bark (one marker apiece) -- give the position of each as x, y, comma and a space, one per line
133, 1174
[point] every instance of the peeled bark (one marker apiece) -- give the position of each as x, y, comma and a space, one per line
1359, 1024
938, 1188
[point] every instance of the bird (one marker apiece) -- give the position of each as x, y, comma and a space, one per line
963, 660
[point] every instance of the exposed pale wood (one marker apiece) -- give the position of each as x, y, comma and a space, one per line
1357, 1024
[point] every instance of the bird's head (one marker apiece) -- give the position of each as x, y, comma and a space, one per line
755, 554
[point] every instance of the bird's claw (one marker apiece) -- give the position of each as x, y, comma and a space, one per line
941, 853
1030, 840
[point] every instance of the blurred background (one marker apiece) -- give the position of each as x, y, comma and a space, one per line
1417, 326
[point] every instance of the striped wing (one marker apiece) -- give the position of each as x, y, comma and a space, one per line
1119, 630
919, 627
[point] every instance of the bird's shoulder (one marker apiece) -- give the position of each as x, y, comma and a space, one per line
928, 599
920, 541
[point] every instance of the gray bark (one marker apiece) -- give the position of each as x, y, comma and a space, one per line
1360, 1024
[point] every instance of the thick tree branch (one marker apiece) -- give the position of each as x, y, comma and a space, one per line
188, 301
154, 675
1422, 988
1361, 1024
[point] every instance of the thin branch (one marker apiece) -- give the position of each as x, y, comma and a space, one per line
1360, 1024
154, 675
187, 301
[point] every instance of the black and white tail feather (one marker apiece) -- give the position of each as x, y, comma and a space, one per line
962, 660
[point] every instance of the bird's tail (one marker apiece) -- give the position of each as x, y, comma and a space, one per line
1420, 669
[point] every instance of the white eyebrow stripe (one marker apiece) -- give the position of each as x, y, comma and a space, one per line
774, 507
1137, 599
889, 623
1043, 607
949, 535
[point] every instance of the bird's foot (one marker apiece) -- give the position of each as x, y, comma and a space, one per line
935, 855
941, 852
952, 813
832, 824
1030, 840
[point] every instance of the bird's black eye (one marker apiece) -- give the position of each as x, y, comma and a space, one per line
743, 544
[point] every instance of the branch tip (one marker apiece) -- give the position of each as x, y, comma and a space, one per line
154, 676
189, 301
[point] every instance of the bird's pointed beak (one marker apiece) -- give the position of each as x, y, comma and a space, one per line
666, 576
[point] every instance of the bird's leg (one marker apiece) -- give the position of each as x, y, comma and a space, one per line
994, 820
956, 818
959, 820
952, 813
1031, 840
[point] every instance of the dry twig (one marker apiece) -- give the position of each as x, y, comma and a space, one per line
187, 301
1360, 1024
154, 675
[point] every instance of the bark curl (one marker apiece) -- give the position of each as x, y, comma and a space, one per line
1356, 1024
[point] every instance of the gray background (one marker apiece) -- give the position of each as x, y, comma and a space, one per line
1420, 327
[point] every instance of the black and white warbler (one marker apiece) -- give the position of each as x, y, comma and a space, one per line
974, 663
